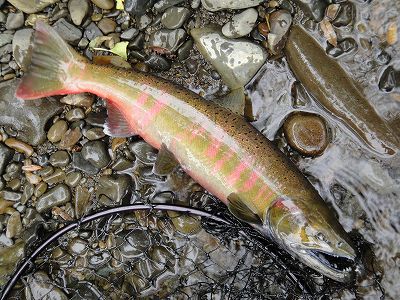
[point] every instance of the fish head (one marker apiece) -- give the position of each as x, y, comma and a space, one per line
313, 235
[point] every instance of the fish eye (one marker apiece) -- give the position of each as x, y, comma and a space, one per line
320, 236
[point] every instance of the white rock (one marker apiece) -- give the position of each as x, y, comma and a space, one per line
241, 24
214, 5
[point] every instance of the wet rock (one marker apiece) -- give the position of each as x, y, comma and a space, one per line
77, 246
138, 7
70, 138
241, 24
104, 4
81, 201
83, 100
96, 153
236, 60
143, 21
59, 159
15, 21
57, 131
214, 5
19, 146
56, 196
314, 9
307, 133
185, 224
9, 257
79, 163
72, 179
138, 42
162, 5
27, 193
22, 47
5, 38
75, 115
175, 17
143, 152
346, 14
94, 133
57, 176
107, 25
14, 225
27, 118
78, 10
6, 154
122, 164
31, 6
344, 46
129, 34
114, 187
166, 40
133, 243
157, 62
67, 31
280, 22
4, 204
184, 51
40, 286
92, 31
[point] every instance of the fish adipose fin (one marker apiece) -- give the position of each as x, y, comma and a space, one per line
116, 124
242, 211
165, 162
54, 67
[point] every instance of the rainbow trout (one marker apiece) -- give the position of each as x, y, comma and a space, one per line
216, 147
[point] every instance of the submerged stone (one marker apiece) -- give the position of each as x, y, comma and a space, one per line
241, 24
214, 5
56, 196
9, 257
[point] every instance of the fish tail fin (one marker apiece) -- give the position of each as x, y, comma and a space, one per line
54, 66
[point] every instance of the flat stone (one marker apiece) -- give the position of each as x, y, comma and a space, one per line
79, 163
68, 31
138, 7
129, 34
107, 25
241, 24
104, 4
22, 44
167, 40
56, 196
15, 20
236, 60
214, 5
92, 31
162, 5
114, 187
175, 17
5, 38
78, 10
31, 6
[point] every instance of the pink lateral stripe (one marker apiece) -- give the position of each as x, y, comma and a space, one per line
213, 147
249, 184
141, 100
235, 175
219, 164
152, 113
194, 133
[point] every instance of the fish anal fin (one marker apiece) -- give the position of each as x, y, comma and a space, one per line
165, 162
242, 211
116, 124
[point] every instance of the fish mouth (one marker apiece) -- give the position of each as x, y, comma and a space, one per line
337, 267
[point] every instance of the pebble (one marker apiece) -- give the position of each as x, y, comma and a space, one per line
134, 243
59, 159
214, 5
104, 4
167, 40
59, 195
185, 224
389, 80
157, 62
137, 7
42, 287
22, 44
57, 131
129, 34
138, 42
241, 24
122, 164
162, 5
96, 153
107, 25
81, 201
31, 6
72, 179
236, 60
14, 225
175, 17
307, 133
6, 155
143, 152
143, 21
5, 38
10, 196
68, 31
32, 178
184, 51
75, 114
314, 9
79, 163
83, 100
77, 246
15, 20
9, 258
40, 189
19, 146
92, 31
115, 187
280, 22
28, 118
78, 10
56, 177
346, 14
29, 189
70, 138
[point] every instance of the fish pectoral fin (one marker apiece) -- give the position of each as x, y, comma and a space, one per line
242, 211
234, 101
116, 124
165, 162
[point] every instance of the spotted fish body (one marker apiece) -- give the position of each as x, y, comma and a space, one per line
215, 146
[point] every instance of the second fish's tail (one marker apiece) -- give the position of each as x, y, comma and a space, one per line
55, 67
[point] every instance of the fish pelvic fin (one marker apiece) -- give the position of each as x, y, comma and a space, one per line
55, 68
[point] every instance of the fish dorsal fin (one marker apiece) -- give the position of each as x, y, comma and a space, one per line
242, 211
116, 124
234, 101
165, 162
